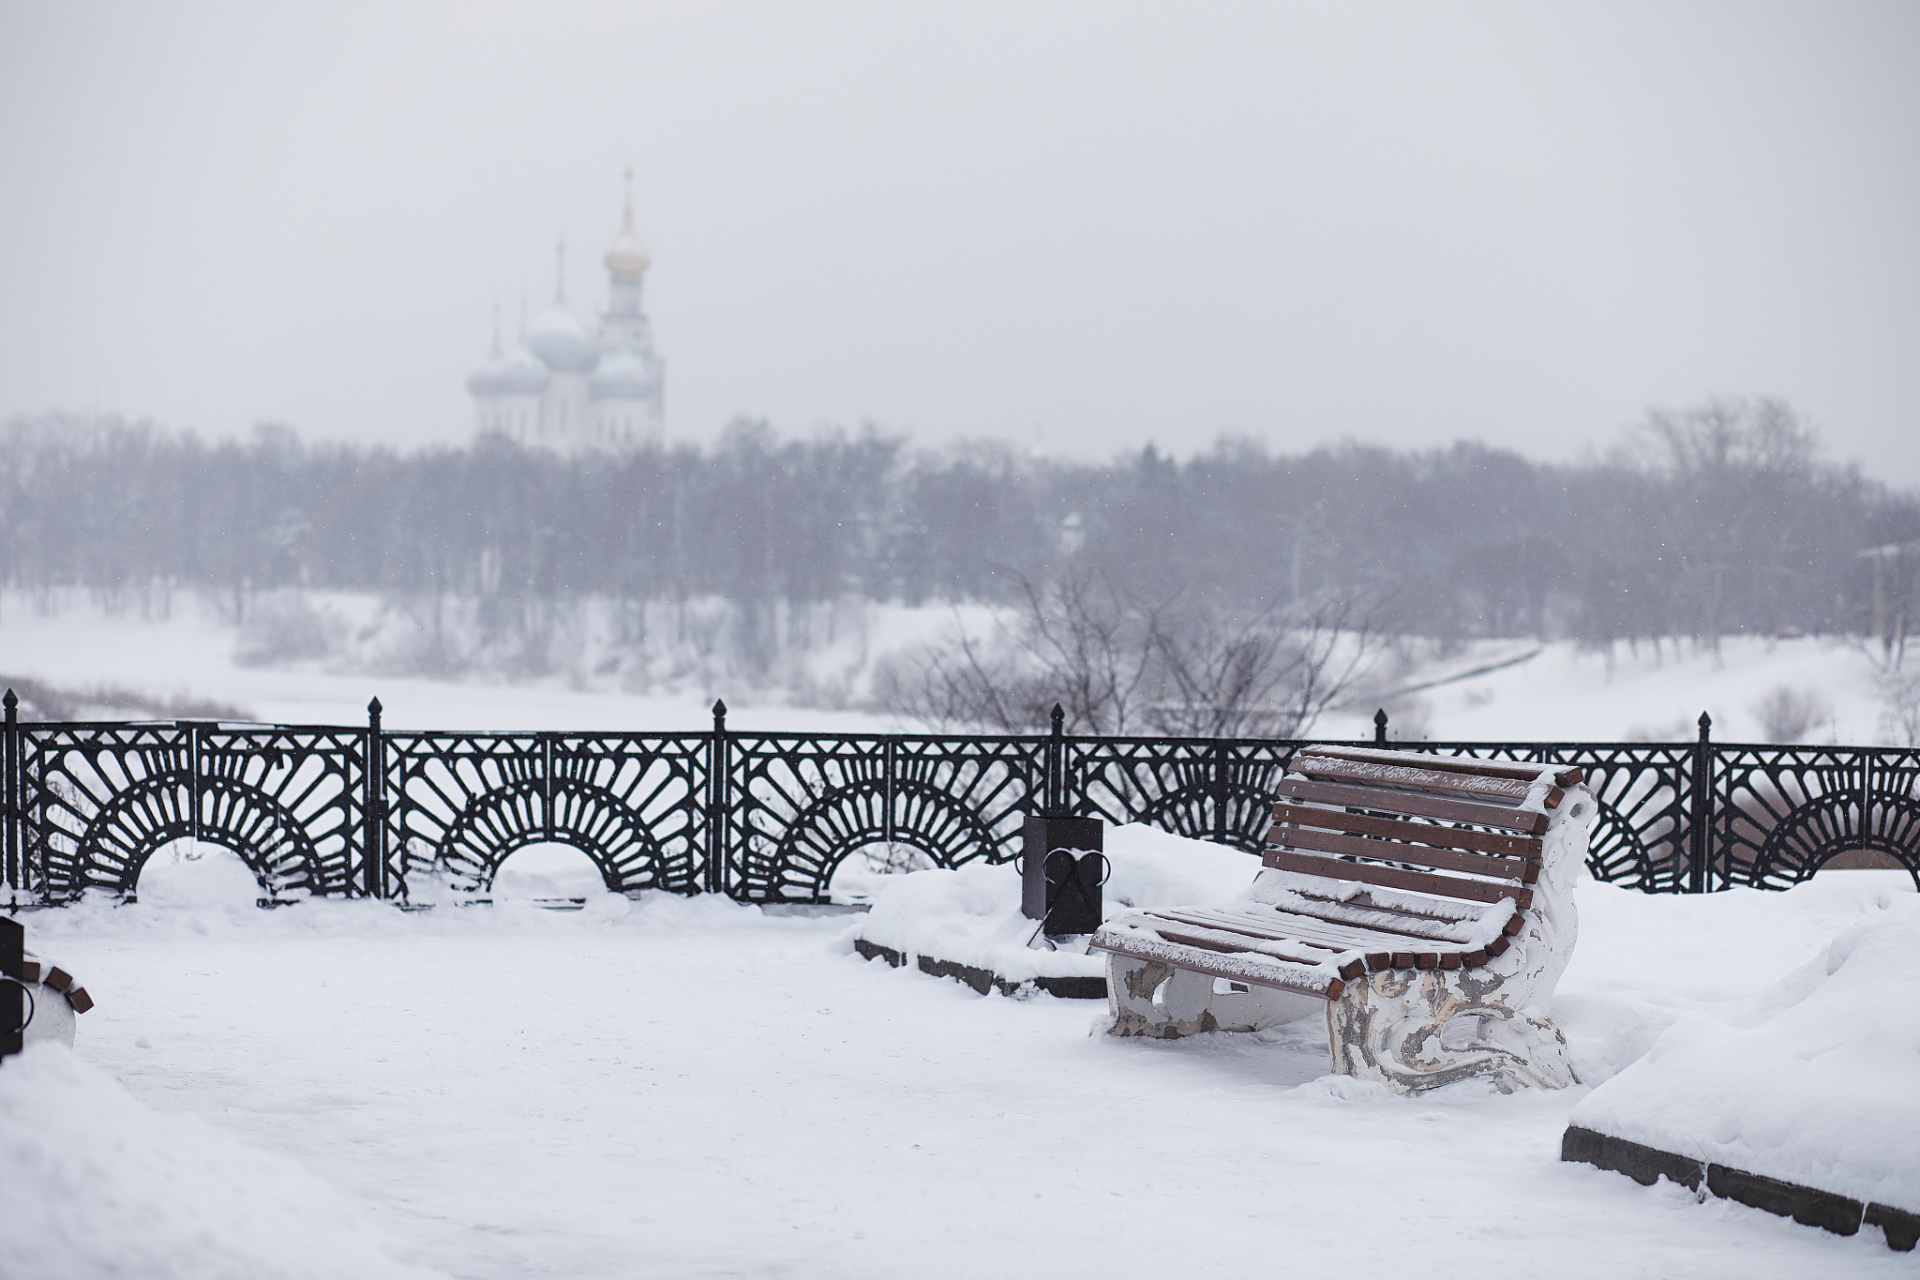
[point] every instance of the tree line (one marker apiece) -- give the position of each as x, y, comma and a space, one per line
1719, 519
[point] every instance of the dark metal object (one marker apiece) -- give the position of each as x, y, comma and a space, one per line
773, 817
13, 990
1061, 870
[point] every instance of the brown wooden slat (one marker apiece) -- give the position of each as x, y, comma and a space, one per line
1346, 937
1563, 775
1479, 813
1369, 824
1289, 837
1222, 941
1369, 773
1394, 877
1429, 917
1307, 951
1401, 773
1198, 964
59, 979
1307, 932
79, 999
1307, 929
1375, 960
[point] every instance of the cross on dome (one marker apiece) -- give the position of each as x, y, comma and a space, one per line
627, 260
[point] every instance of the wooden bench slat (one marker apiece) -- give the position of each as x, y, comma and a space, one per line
1563, 775
1252, 926
1292, 837
1210, 938
1365, 908
1377, 773
1371, 956
1310, 928
1372, 824
1322, 983
1478, 813
1299, 928
1394, 877
1383, 924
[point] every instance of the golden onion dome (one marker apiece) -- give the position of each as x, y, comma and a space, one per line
627, 259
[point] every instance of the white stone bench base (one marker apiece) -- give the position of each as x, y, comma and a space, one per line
1409, 1029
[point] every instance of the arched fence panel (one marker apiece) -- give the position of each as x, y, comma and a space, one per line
458, 804
93, 802
792, 810
802, 817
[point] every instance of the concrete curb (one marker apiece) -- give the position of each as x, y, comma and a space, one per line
985, 980
1811, 1206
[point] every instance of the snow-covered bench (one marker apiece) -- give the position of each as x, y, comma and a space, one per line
29, 1009
1424, 902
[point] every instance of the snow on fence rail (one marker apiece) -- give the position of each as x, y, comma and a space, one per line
770, 817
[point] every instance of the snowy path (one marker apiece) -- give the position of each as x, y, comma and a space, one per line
692, 1089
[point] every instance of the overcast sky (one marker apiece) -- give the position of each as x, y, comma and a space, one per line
1079, 227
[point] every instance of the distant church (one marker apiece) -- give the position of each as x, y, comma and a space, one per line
565, 388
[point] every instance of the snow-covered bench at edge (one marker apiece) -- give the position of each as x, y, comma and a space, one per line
1424, 903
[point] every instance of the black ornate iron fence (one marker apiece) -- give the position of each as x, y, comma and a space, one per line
763, 817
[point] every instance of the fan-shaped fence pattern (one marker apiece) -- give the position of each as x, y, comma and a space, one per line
462, 802
802, 805
775, 817
97, 801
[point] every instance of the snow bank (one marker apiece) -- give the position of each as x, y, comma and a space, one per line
1810, 1081
972, 915
92, 1183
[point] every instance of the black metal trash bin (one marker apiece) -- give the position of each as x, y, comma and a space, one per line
1062, 868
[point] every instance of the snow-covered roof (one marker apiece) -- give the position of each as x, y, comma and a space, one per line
621, 375
561, 341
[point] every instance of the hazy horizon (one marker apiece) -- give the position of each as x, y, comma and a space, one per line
1077, 228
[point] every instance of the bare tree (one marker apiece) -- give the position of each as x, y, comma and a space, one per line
1076, 641
1744, 471
1116, 663
1269, 676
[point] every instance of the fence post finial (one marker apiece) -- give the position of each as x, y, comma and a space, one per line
1700, 817
1380, 727
719, 713
374, 881
1059, 717
12, 701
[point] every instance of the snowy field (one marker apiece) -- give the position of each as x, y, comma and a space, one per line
1538, 692
672, 1087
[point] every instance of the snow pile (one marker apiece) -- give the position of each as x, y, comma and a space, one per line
92, 1183
1810, 1081
972, 915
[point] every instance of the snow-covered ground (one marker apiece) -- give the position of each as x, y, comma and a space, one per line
672, 1087
1556, 691
691, 1087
